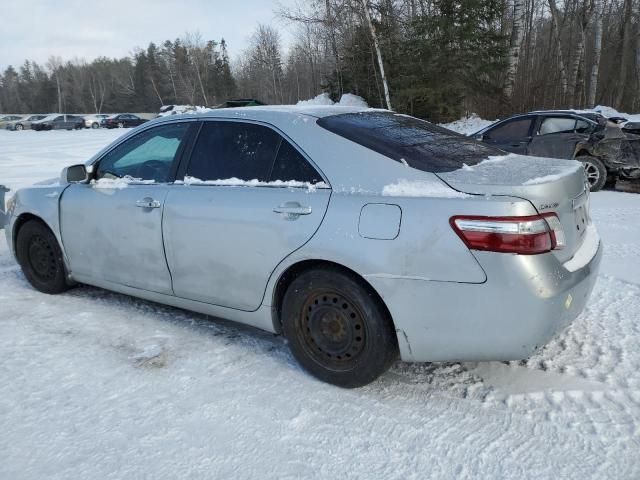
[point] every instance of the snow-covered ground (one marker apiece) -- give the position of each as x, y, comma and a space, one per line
97, 385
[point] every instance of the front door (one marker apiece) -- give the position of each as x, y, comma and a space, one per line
112, 228
232, 223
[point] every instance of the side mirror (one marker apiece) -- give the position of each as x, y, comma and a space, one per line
75, 174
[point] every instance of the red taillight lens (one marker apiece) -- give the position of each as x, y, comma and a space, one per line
521, 235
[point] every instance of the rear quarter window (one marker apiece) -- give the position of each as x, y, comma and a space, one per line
419, 144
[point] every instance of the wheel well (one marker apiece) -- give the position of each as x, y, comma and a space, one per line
20, 221
298, 268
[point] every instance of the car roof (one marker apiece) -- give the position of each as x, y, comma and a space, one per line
261, 112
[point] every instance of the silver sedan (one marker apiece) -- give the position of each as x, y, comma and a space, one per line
361, 235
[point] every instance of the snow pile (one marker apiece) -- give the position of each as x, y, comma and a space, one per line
322, 99
420, 188
351, 100
468, 125
347, 100
236, 182
168, 110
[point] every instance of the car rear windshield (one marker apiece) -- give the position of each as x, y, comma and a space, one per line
420, 144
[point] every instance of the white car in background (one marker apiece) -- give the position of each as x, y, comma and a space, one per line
93, 121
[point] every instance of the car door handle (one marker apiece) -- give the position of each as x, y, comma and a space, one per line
292, 209
148, 203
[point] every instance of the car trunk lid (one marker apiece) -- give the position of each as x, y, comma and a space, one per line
550, 185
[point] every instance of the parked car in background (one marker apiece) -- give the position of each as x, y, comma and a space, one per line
606, 151
122, 120
361, 235
23, 123
93, 121
59, 122
8, 119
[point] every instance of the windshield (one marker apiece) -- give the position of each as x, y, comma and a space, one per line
409, 140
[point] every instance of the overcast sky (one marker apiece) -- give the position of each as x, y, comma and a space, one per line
37, 29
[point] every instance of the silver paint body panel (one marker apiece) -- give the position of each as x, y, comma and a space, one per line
221, 250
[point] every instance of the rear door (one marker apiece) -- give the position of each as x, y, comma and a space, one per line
557, 136
227, 228
511, 135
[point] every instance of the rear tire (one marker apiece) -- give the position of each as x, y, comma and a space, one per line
95, 125
40, 257
337, 329
595, 171
19, 127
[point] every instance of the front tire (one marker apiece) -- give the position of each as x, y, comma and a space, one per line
40, 257
18, 127
95, 125
595, 171
337, 329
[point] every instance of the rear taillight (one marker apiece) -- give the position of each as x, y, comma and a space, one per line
521, 235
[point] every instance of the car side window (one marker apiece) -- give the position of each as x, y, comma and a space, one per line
582, 126
551, 125
239, 150
291, 165
517, 128
147, 156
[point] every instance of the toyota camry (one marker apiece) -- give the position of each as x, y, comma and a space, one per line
360, 235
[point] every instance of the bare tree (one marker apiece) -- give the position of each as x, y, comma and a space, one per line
597, 49
387, 97
564, 82
514, 47
55, 65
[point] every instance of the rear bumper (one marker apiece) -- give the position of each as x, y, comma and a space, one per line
525, 301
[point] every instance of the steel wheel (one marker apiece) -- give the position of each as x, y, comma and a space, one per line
332, 329
41, 258
337, 328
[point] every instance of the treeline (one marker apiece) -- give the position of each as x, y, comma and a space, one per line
436, 59
184, 71
441, 58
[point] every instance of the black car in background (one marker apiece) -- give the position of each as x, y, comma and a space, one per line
59, 122
607, 152
122, 120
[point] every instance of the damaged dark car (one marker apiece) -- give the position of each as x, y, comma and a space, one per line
607, 151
